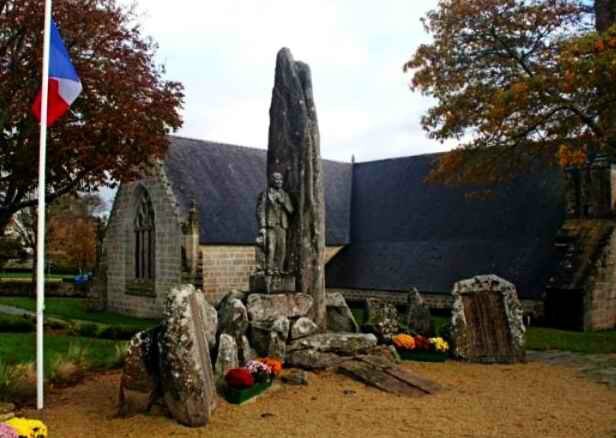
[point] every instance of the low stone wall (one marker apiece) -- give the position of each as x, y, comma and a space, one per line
52, 289
532, 308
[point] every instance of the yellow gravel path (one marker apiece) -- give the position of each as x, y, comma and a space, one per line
531, 400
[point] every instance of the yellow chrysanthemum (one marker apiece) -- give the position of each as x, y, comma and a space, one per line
28, 428
439, 344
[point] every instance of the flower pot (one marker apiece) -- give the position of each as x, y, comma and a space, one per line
423, 355
238, 396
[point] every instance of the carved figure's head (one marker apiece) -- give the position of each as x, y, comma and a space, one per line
277, 180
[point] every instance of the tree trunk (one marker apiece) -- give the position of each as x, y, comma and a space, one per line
605, 14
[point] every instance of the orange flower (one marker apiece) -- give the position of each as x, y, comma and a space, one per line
274, 364
404, 342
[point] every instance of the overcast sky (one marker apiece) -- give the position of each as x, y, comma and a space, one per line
224, 53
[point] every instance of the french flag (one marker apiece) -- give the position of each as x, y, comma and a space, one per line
64, 83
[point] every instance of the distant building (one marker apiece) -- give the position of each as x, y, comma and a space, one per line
387, 230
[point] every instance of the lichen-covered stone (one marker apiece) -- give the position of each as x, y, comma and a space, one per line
294, 377
227, 358
263, 307
314, 360
382, 318
294, 151
487, 321
187, 376
233, 318
339, 343
246, 352
211, 324
270, 337
419, 318
340, 319
303, 327
140, 382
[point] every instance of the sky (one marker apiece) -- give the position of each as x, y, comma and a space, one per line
224, 53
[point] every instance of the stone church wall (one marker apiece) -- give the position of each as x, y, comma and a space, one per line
600, 301
228, 267
125, 294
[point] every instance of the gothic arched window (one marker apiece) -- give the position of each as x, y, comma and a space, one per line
144, 238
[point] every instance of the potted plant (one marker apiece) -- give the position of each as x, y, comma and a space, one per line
420, 348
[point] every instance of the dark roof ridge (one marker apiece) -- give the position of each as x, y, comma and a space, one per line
426, 155
200, 140
252, 148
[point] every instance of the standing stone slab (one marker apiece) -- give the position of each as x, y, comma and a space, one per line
294, 152
140, 383
227, 358
233, 317
339, 315
263, 307
382, 318
187, 375
419, 318
487, 321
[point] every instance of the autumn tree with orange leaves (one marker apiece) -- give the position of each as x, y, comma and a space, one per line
517, 80
116, 127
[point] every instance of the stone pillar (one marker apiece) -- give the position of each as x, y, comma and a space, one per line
190, 230
294, 151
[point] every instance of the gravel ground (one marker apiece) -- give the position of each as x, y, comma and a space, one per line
531, 400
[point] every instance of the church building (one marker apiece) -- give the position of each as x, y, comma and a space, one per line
387, 231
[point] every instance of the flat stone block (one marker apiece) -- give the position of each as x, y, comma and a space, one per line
263, 283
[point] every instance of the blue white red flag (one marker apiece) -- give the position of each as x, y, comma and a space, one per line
64, 83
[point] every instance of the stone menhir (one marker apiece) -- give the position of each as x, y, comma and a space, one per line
296, 188
187, 375
339, 315
382, 319
487, 321
419, 318
140, 383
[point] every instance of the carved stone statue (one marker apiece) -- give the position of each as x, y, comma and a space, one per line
274, 207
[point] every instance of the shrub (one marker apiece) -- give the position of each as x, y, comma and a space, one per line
87, 330
16, 324
7, 379
78, 354
118, 332
119, 356
22, 383
64, 371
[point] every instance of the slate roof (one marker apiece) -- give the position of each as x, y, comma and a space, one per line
225, 180
407, 233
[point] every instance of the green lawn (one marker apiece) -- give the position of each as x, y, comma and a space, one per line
21, 348
73, 309
540, 338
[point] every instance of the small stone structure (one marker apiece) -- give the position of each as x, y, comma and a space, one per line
419, 318
486, 322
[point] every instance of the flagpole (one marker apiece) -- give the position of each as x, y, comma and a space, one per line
40, 233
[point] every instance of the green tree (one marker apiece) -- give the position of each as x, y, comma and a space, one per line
515, 80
